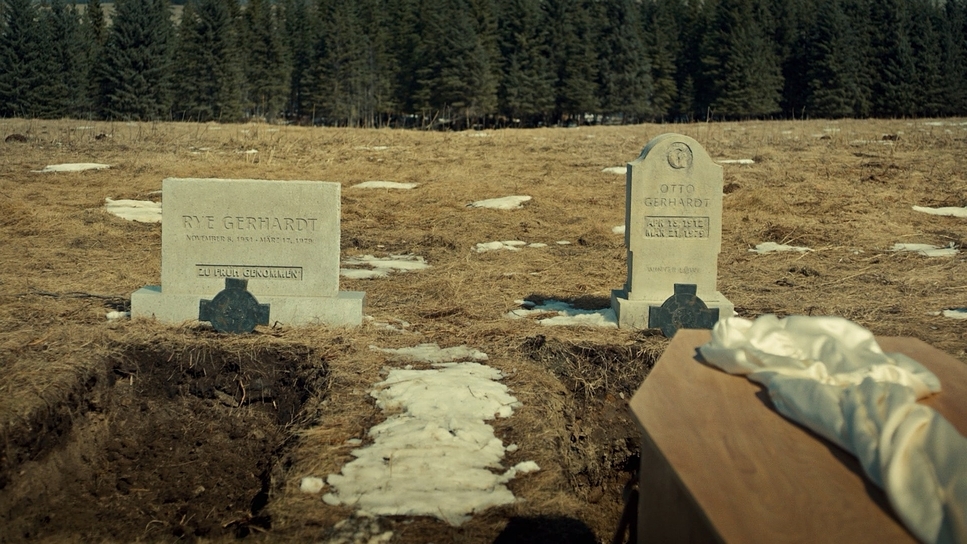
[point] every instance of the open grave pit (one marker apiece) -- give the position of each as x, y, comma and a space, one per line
601, 449
170, 440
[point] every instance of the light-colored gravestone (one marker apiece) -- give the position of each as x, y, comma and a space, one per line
673, 232
282, 237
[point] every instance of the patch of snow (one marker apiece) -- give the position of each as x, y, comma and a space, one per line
85, 128
949, 210
249, 151
380, 267
928, 250
620, 229
311, 484
537, 245
479, 135
623, 170
373, 147
503, 203
73, 167
769, 247
433, 353
559, 313
435, 457
398, 325
111, 316
142, 211
512, 245
956, 313
563, 243
736, 161
358, 529
384, 185
395, 262
364, 273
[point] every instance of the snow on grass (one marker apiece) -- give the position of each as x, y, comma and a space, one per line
623, 170
433, 353
503, 203
142, 211
735, 161
950, 210
247, 151
770, 247
364, 273
928, 250
73, 167
511, 245
381, 267
955, 313
311, 484
620, 229
436, 456
384, 185
558, 313
395, 325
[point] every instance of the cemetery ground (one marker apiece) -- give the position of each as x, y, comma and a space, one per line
123, 430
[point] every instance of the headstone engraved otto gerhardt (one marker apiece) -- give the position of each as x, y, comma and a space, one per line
673, 232
282, 237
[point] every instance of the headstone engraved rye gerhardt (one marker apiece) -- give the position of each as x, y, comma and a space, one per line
281, 237
673, 232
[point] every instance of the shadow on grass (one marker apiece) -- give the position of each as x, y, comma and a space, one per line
556, 529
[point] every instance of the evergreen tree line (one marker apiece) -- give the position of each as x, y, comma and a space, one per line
464, 63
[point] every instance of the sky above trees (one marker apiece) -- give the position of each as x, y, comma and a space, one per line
484, 62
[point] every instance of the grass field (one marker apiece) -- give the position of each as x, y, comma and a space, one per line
106, 437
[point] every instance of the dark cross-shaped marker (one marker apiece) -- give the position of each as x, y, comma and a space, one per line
234, 309
683, 310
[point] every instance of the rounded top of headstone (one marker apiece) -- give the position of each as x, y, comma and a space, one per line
680, 152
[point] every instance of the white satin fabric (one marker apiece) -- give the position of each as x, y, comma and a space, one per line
830, 375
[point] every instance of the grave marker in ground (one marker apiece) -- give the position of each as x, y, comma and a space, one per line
282, 237
673, 232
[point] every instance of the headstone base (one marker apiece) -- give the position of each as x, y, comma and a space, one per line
633, 314
344, 309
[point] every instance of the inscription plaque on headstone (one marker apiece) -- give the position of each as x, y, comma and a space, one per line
282, 237
673, 230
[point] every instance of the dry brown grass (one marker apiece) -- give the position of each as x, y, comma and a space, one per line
813, 184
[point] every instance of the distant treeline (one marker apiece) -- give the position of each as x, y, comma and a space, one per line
460, 63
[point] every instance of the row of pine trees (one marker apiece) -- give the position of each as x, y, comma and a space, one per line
458, 63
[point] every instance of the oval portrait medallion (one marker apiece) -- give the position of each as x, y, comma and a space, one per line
679, 155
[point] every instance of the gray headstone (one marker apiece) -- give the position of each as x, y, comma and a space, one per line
282, 237
673, 229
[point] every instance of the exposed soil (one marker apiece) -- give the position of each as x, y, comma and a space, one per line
169, 442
